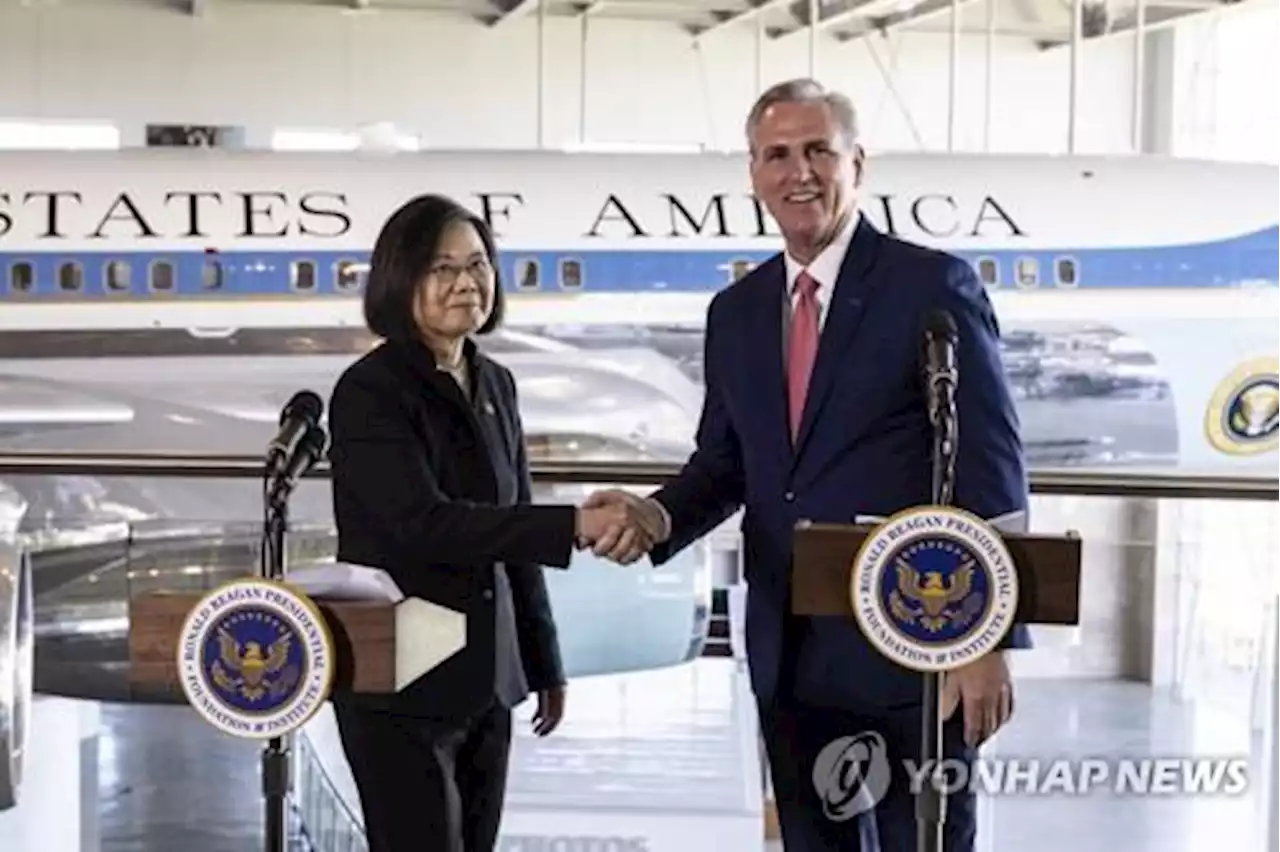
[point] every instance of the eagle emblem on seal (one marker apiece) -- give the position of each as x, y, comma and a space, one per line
252, 671
931, 601
1255, 411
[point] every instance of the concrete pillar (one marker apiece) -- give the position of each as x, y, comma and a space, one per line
1159, 98
52, 814
1114, 636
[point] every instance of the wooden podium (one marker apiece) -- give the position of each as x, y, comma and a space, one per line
379, 647
1048, 572
258, 657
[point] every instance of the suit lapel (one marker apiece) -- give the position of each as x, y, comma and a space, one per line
767, 361
422, 364
849, 301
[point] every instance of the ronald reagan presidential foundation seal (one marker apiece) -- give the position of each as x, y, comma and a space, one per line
933, 588
256, 658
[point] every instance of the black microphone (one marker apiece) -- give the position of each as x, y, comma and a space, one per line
940, 373
298, 416
306, 453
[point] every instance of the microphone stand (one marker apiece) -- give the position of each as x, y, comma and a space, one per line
931, 802
275, 755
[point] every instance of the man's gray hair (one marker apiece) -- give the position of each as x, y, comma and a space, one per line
804, 90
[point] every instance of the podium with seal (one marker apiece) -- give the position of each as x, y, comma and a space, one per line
257, 657
933, 588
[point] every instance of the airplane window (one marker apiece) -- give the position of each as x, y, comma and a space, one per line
1066, 270
22, 277
303, 275
117, 276
739, 268
570, 274
70, 277
212, 279
162, 277
349, 275
1027, 272
527, 274
989, 272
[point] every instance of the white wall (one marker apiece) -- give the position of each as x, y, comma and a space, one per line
459, 84
1226, 81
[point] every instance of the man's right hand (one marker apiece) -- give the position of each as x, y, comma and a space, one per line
620, 526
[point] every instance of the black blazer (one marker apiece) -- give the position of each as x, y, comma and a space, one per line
435, 490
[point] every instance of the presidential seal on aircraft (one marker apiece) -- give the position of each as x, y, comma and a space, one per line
1243, 416
256, 658
933, 588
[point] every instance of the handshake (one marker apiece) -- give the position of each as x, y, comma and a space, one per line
620, 526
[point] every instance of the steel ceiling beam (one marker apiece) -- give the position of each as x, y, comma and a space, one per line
509, 10
1158, 15
847, 12
882, 24
729, 19
832, 13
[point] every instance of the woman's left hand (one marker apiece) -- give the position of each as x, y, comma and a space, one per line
550, 710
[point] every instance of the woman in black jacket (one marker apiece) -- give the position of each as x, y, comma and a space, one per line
431, 484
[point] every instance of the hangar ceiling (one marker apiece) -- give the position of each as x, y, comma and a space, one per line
1049, 23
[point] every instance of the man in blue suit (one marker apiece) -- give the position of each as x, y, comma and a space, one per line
815, 410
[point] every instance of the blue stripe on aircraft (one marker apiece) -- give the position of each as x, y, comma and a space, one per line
1247, 260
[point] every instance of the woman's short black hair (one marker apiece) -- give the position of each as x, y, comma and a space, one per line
402, 255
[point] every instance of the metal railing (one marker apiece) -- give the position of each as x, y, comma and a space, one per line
1052, 481
325, 822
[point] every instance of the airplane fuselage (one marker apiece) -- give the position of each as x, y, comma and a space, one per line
1113, 278
201, 240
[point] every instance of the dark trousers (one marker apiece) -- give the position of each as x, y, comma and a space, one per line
840, 783
428, 786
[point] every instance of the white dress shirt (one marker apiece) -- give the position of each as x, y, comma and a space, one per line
824, 269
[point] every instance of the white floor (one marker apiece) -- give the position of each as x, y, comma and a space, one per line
669, 757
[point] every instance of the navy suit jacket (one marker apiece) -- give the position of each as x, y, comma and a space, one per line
864, 447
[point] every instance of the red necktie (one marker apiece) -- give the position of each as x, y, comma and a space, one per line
802, 349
